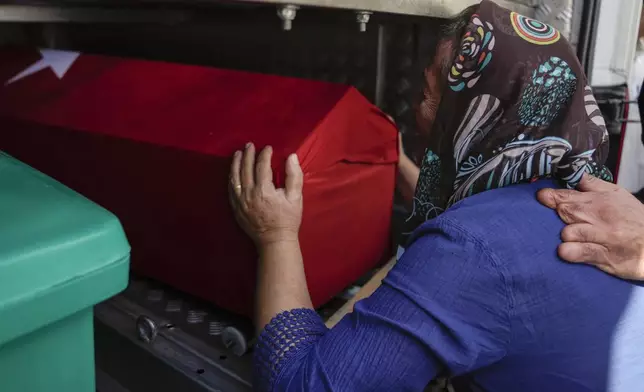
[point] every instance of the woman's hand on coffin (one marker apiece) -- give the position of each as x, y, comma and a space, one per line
605, 226
267, 214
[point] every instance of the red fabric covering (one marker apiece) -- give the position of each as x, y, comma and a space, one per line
152, 142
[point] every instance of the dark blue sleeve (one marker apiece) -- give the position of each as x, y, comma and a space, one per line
442, 309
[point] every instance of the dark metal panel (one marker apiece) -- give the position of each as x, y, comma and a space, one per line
319, 47
176, 359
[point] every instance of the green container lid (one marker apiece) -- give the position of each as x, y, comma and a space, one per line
58, 251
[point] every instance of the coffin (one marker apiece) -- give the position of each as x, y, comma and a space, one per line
152, 142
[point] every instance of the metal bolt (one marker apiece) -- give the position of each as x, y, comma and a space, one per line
362, 17
234, 340
287, 14
146, 328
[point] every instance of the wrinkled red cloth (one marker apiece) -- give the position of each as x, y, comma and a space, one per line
152, 142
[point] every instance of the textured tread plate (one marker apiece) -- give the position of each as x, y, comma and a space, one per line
188, 336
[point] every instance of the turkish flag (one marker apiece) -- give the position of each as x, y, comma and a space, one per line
152, 142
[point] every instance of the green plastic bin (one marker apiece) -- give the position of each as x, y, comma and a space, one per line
60, 254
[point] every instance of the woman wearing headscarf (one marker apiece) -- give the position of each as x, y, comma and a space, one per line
479, 295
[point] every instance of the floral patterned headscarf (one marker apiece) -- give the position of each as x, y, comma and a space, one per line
515, 107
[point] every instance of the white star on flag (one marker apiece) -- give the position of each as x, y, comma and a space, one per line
59, 61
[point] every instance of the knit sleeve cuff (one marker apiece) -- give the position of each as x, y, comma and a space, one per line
282, 343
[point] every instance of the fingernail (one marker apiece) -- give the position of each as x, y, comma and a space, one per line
237, 153
248, 145
294, 160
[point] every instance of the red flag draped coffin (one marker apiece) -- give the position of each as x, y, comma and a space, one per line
152, 142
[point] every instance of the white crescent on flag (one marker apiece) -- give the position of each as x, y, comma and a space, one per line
58, 60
